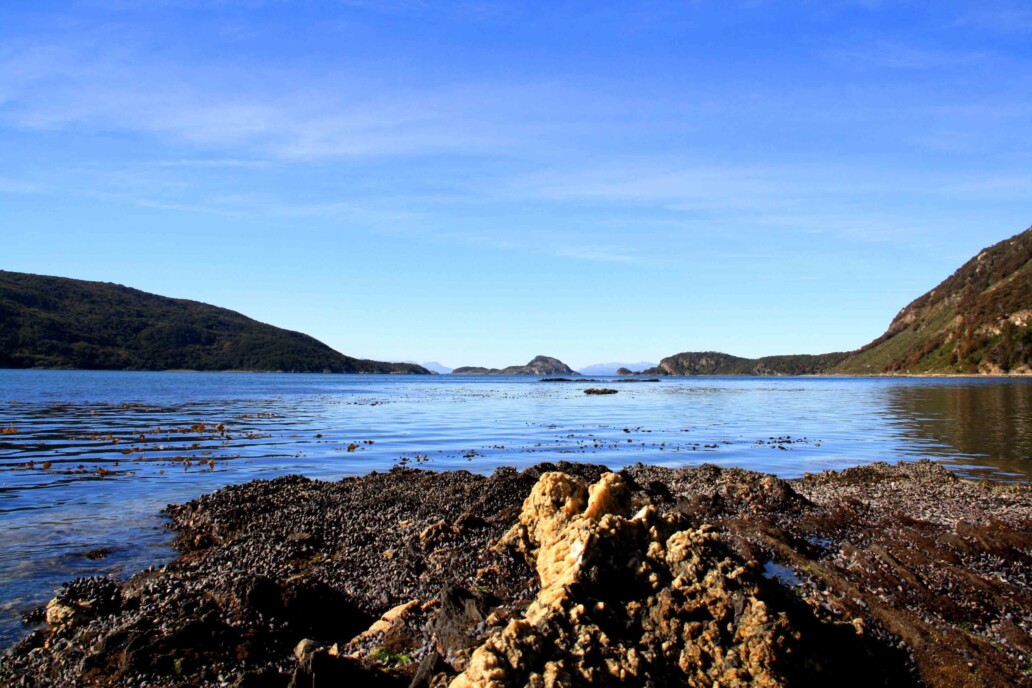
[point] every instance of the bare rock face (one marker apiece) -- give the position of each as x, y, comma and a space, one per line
628, 600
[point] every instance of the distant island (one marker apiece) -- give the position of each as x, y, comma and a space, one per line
977, 321
615, 368
717, 363
539, 365
56, 322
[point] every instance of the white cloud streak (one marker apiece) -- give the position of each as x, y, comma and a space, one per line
553, 243
271, 114
903, 56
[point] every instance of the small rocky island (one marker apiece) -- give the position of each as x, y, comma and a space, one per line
565, 575
539, 365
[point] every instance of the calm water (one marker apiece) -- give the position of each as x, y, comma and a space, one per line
96, 455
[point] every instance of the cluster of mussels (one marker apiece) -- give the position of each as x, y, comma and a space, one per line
565, 575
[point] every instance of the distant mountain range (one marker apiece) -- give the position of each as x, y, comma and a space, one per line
434, 367
613, 368
977, 321
56, 322
539, 365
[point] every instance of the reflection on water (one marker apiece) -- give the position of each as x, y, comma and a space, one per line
87, 459
987, 424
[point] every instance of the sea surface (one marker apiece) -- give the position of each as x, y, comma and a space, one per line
88, 459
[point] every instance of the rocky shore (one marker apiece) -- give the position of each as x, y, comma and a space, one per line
565, 575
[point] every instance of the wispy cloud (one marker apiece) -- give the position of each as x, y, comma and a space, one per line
209, 163
553, 243
270, 114
609, 151
355, 214
158, 204
389, 6
19, 186
896, 55
855, 202
1001, 17
704, 186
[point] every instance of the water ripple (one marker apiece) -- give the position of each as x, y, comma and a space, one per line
89, 458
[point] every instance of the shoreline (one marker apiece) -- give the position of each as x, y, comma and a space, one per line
916, 574
844, 376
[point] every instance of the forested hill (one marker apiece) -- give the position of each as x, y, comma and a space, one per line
717, 363
56, 322
978, 320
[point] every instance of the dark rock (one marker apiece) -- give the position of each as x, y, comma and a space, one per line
431, 667
315, 609
469, 521
567, 379
320, 669
257, 595
34, 616
264, 678
461, 612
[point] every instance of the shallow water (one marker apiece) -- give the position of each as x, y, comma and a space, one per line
96, 455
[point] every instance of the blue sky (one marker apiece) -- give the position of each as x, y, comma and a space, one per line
480, 182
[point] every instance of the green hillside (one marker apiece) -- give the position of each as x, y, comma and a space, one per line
56, 322
979, 320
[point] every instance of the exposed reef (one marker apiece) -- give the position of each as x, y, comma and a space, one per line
565, 575
583, 379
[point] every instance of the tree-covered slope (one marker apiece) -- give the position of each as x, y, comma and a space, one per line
716, 363
979, 320
56, 322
